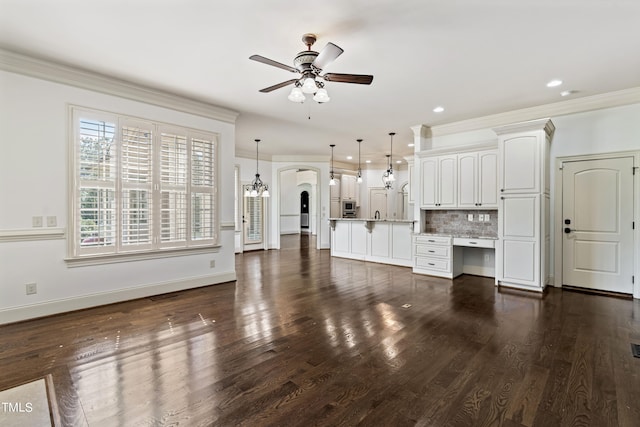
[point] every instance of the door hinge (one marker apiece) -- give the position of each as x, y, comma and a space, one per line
633, 169
633, 279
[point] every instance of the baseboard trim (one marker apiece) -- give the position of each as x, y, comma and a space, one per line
33, 311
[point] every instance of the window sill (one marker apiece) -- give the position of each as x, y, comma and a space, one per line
86, 260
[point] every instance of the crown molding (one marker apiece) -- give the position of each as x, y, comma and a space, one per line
572, 106
59, 73
540, 124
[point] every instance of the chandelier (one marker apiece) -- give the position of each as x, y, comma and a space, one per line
332, 181
257, 187
387, 176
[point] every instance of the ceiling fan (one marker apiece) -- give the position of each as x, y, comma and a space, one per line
310, 65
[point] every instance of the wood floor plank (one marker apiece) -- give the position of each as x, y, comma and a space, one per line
303, 339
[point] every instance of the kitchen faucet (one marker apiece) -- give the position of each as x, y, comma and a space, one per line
376, 215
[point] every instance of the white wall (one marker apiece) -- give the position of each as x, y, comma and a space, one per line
289, 202
34, 139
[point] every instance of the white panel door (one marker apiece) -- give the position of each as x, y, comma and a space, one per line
597, 207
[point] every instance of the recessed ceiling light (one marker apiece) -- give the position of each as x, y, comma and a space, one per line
554, 83
368, 161
438, 109
567, 92
398, 161
411, 144
349, 157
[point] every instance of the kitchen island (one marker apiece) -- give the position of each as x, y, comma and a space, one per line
387, 241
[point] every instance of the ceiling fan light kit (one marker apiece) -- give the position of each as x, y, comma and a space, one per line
310, 65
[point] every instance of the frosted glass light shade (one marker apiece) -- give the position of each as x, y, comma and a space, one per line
321, 96
296, 95
309, 85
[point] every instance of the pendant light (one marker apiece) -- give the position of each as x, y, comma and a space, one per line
257, 187
359, 169
332, 181
387, 176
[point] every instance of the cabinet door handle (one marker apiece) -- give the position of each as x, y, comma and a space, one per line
431, 241
432, 252
502, 190
473, 243
431, 263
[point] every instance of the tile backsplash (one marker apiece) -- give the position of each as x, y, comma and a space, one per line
456, 222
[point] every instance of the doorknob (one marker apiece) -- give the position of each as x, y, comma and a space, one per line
567, 230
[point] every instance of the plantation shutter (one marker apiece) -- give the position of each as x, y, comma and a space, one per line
95, 189
140, 186
253, 218
202, 152
173, 187
136, 185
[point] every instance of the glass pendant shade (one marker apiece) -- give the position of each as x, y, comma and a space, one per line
321, 96
309, 85
296, 95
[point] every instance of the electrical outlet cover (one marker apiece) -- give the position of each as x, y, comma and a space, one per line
486, 217
470, 217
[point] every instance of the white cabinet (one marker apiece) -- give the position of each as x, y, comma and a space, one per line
478, 180
348, 187
387, 242
434, 255
335, 207
334, 190
523, 222
438, 182
411, 181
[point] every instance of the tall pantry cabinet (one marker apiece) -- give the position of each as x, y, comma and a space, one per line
522, 252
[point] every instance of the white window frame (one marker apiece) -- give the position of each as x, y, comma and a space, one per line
205, 187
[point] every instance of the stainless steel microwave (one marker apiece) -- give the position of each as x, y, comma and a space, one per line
348, 206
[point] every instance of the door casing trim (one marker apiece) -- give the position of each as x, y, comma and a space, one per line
557, 213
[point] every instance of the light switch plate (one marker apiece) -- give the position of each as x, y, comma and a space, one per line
480, 217
470, 217
486, 217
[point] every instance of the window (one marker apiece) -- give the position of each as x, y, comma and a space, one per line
140, 186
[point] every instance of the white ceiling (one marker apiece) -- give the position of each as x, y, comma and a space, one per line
474, 58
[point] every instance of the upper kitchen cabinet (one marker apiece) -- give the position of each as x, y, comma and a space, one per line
438, 182
349, 187
524, 157
478, 179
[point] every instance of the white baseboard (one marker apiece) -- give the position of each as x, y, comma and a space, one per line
32, 311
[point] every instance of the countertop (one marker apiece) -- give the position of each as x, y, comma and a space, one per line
460, 236
371, 220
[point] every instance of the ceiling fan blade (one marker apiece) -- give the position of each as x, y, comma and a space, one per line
278, 86
273, 63
327, 55
362, 79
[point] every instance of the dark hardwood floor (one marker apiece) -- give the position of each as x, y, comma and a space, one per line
305, 339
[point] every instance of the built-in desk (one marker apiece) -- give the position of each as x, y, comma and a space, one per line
450, 256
